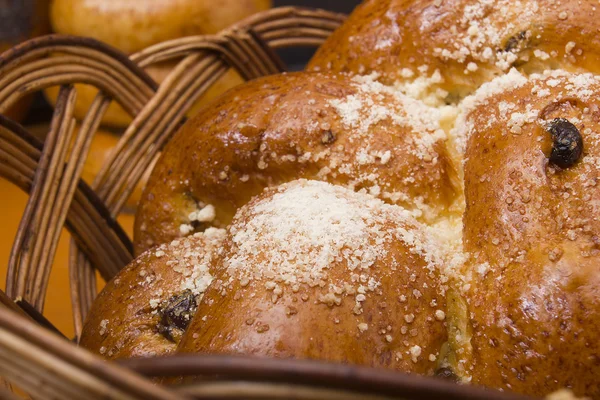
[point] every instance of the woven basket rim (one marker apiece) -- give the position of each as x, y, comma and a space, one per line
355, 378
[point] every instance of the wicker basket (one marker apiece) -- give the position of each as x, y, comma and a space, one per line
34, 355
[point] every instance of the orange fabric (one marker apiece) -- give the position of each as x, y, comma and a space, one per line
58, 301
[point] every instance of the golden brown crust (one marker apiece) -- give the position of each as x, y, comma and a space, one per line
467, 42
532, 230
127, 318
523, 315
302, 125
349, 279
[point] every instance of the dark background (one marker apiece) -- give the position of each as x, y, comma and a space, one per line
296, 58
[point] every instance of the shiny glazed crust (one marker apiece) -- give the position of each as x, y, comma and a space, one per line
522, 311
125, 319
301, 125
532, 229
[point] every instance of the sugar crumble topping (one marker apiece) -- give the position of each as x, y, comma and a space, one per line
193, 263
463, 125
309, 225
205, 214
103, 327
375, 102
478, 35
294, 237
415, 353
422, 87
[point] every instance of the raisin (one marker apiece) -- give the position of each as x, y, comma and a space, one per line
328, 137
446, 373
514, 42
567, 143
176, 314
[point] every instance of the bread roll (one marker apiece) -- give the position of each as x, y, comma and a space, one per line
279, 128
132, 26
144, 310
532, 187
442, 50
317, 271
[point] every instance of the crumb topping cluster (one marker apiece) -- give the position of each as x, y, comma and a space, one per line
307, 226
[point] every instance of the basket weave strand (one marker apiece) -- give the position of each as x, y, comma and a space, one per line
27, 258
50, 366
87, 219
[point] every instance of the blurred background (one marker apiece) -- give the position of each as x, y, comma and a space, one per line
130, 26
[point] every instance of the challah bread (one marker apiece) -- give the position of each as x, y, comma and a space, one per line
531, 226
442, 50
132, 26
313, 270
145, 309
352, 132
509, 298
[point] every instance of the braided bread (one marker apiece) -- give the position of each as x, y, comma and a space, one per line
445, 220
